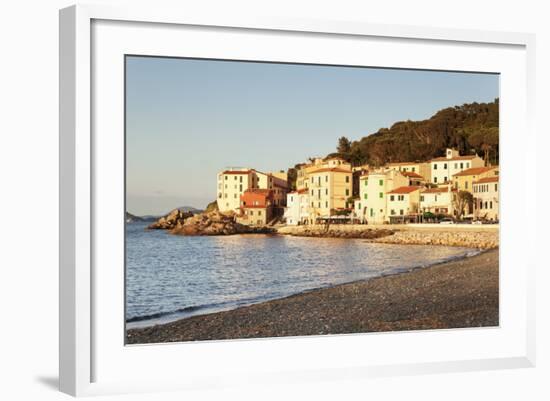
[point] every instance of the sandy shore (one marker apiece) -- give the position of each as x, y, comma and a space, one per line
461, 293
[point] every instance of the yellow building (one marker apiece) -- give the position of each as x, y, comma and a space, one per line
421, 168
329, 190
304, 170
233, 182
464, 180
438, 200
373, 189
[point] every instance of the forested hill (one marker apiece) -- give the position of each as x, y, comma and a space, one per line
469, 128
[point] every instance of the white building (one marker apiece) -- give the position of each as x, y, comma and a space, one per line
486, 205
443, 168
373, 189
438, 200
297, 207
404, 201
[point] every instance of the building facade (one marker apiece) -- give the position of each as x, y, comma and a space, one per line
421, 168
403, 201
329, 190
486, 198
444, 168
438, 200
233, 182
304, 170
256, 207
464, 180
297, 207
373, 188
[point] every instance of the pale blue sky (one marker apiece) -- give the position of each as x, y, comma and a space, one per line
188, 119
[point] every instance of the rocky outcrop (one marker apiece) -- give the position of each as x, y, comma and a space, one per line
131, 218
215, 223
171, 220
321, 232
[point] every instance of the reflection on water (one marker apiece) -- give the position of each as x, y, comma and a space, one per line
170, 277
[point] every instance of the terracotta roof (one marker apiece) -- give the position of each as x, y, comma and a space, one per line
443, 158
330, 170
473, 171
237, 171
298, 191
411, 174
487, 180
404, 190
437, 190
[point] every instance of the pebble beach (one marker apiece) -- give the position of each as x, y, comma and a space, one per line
456, 294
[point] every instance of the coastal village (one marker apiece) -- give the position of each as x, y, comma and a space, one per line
445, 189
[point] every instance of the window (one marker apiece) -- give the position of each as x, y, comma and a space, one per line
456, 166
366, 182
292, 199
401, 197
435, 166
326, 191
347, 178
241, 187
235, 196
435, 180
461, 166
491, 204
326, 178
359, 206
319, 205
347, 192
413, 169
381, 195
252, 212
226, 177
466, 185
401, 212
235, 178
392, 198
225, 196
371, 212
326, 204
392, 212
381, 182
312, 180
444, 166
468, 165
445, 180
496, 187
319, 180
220, 195
421, 198
312, 205
312, 192
259, 212
366, 196
241, 179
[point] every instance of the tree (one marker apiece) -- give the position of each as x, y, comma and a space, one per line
344, 146
460, 201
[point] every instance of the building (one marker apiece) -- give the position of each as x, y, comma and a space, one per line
421, 168
403, 201
486, 198
297, 207
233, 182
464, 180
415, 179
373, 189
304, 170
438, 200
444, 168
329, 190
256, 207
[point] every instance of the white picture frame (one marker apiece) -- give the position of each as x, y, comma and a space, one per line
79, 316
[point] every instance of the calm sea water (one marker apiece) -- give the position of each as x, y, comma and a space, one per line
171, 277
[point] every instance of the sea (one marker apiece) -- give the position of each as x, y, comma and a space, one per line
170, 277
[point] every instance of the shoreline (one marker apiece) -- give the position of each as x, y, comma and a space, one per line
452, 294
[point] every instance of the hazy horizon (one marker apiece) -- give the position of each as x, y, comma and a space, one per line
187, 119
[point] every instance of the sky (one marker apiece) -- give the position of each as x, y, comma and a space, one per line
187, 119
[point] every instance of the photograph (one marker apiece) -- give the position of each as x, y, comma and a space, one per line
271, 199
